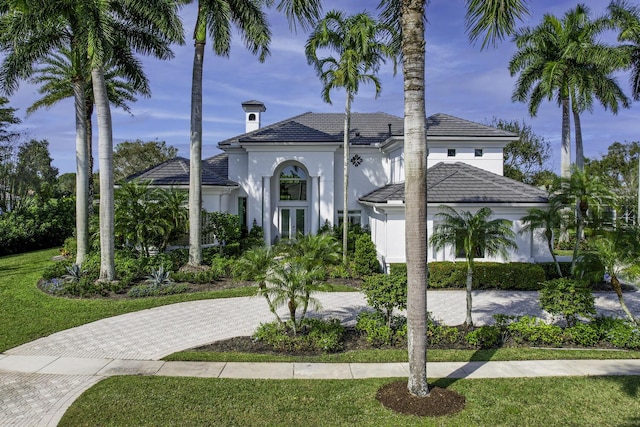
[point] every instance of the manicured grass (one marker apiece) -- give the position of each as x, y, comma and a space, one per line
28, 313
163, 401
367, 356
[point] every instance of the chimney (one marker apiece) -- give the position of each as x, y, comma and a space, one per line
252, 111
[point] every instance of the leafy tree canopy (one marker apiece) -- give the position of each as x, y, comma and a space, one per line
619, 170
525, 160
130, 157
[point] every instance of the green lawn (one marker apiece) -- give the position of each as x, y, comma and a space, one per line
367, 356
28, 313
162, 401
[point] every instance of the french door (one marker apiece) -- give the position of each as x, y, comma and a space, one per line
293, 220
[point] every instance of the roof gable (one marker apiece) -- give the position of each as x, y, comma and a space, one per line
445, 125
462, 183
176, 172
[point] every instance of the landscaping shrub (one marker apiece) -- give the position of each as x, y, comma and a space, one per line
486, 275
439, 335
221, 266
56, 269
313, 335
366, 256
151, 290
584, 334
398, 268
484, 337
385, 293
379, 331
37, 226
551, 271
620, 333
568, 298
202, 276
528, 329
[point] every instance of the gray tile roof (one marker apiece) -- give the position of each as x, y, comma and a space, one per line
445, 125
462, 183
366, 128
176, 172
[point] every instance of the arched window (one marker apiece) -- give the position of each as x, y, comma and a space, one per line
293, 183
252, 117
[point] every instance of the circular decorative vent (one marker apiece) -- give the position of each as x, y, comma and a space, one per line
356, 160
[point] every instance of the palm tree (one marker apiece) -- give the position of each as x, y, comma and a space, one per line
561, 59
95, 31
56, 77
475, 235
614, 252
215, 18
550, 220
627, 19
589, 194
361, 45
255, 265
493, 18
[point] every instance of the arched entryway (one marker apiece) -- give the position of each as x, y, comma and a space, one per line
292, 200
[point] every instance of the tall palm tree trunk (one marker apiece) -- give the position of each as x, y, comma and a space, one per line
549, 236
468, 321
345, 165
565, 156
195, 154
618, 288
89, 115
82, 174
105, 163
579, 145
415, 192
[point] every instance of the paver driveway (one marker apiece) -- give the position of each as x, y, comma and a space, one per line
30, 397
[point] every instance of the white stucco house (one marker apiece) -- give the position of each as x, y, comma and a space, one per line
288, 177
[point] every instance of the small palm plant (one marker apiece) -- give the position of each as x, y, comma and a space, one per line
549, 220
614, 253
474, 235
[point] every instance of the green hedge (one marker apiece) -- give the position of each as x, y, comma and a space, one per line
522, 276
551, 271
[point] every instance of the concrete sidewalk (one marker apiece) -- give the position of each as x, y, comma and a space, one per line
41, 379
102, 368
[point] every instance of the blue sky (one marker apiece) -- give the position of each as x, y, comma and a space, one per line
461, 80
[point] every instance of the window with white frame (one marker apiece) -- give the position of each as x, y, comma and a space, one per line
353, 216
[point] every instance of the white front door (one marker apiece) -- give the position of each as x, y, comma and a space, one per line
293, 220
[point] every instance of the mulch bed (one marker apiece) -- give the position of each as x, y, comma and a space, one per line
439, 402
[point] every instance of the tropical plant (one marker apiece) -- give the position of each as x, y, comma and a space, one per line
96, 33
627, 19
561, 59
589, 195
549, 220
254, 265
361, 44
159, 277
295, 273
615, 253
472, 235
148, 217
215, 18
618, 168
491, 20
56, 78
